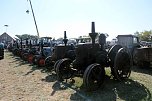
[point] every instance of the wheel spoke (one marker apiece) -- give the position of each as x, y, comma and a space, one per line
63, 69
93, 77
97, 73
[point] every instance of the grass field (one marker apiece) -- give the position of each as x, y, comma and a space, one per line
137, 88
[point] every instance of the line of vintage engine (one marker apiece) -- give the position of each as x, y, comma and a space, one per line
29, 52
90, 60
42, 54
87, 60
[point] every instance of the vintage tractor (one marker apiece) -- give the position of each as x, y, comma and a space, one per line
45, 51
60, 52
1, 51
32, 50
91, 60
24, 51
15, 48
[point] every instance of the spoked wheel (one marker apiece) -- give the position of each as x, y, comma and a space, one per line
63, 69
112, 54
21, 55
41, 62
113, 51
25, 56
30, 58
18, 52
35, 59
122, 64
93, 77
15, 51
49, 62
56, 63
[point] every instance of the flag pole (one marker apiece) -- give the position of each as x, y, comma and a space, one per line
34, 18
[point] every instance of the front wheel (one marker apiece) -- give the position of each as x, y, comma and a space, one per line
49, 63
93, 77
41, 62
30, 58
55, 65
63, 69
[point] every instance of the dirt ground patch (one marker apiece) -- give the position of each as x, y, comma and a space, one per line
20, 81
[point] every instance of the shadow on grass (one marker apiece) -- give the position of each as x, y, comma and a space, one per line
21, 62
15, 59
18, 61
112, 90
57, 87
35, 67
50, 78
142, 70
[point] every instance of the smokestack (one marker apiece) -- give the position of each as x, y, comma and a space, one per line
65, 40
93, 27
65, 35
30, 44
21, 44
93, 34
26, 41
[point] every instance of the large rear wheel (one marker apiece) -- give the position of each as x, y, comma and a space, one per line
122, 64
111, 55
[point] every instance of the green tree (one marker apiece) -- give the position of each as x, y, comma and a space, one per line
25, 36
145, 35
137, 33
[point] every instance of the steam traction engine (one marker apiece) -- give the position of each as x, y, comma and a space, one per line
45, 51
91, 58
60, 52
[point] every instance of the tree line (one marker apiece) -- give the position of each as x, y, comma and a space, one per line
27, 36
144, 36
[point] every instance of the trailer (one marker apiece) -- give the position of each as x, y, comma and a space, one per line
143, 57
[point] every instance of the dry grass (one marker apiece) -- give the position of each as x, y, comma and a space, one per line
20, 81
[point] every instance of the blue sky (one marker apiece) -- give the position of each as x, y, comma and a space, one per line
75, 16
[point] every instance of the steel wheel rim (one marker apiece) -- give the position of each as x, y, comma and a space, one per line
64, 69
94, 77
30, 58
47, 61
55, 65
122, 69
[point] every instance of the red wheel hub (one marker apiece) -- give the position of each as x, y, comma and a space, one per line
30, 58
42, 62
